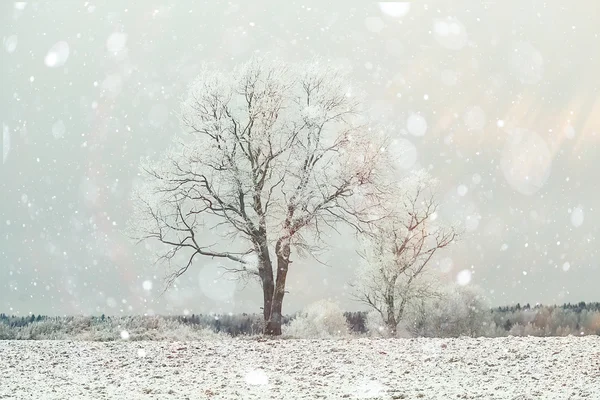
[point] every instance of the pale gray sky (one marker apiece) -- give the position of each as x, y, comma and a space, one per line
508, 90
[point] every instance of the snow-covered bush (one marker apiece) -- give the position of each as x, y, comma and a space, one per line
323, 319
6, 333
376, 327
157, 328
153, 328
116, 328
457, 311
43, 330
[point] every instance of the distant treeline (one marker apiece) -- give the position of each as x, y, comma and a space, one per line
517, 320
577, 307
569, 319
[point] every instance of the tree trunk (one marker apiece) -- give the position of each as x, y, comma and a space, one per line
391, 322
273, 323
268, 289
265, 271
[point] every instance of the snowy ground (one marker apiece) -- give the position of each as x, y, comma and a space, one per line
503, 368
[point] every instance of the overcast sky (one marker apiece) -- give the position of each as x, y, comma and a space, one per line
498, 99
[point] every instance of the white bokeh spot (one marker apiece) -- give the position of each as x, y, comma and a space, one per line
215, 285
449, 77
57, 55
474, 118
416, 125
403, 152
10, 43
116, 42
463, 278
472, 222
395, 9
570, 132
58, 129
526, 161
577, 217
374, 24
527, 63
5, 142
450, 33
446, 264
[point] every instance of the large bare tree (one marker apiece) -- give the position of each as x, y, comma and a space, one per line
395, 257
273, 154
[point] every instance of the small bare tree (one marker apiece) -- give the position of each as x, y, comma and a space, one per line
396, 255
273, 155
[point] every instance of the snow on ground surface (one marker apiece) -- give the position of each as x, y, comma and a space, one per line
503, 368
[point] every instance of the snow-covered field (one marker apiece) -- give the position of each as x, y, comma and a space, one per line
503, 368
